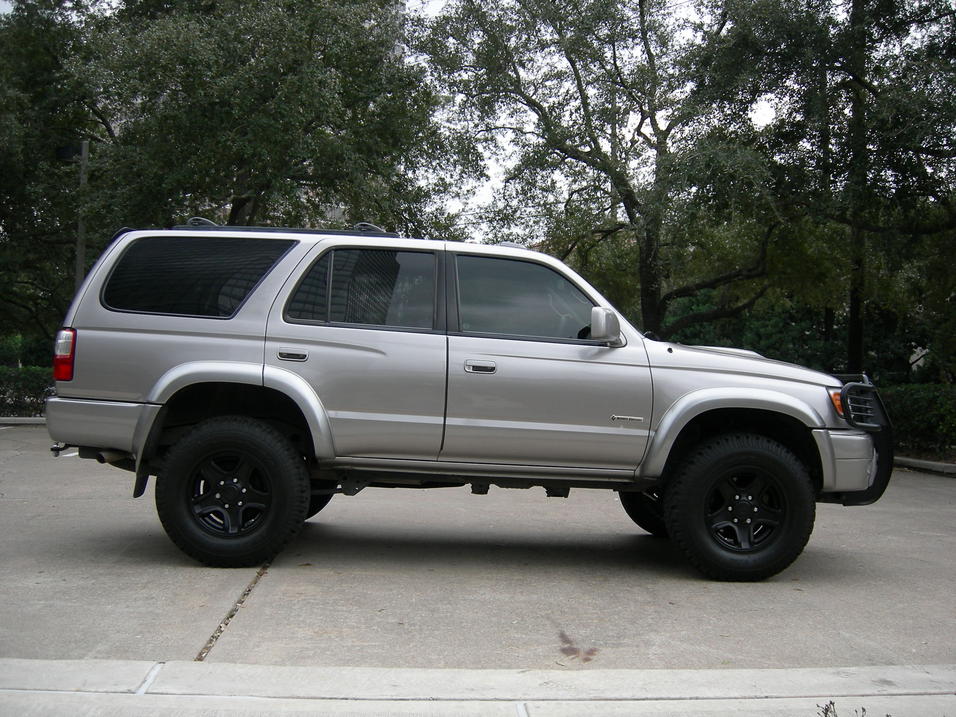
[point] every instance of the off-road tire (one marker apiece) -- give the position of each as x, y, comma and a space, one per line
233, 492
646, 508
740, 507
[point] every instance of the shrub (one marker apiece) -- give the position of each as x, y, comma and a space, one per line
23, 390
923, 416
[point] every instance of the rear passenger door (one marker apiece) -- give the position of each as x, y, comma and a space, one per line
525, 384
363, 325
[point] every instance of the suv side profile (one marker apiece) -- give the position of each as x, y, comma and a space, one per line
258, 372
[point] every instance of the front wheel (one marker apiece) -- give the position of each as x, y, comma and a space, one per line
233, 492
741, 507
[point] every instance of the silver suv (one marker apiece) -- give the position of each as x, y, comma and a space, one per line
259, 372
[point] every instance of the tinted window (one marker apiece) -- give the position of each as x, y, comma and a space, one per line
378, 287
192, 276
310, 302
504, 296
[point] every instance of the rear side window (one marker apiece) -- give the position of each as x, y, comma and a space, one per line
376, 287
190, 276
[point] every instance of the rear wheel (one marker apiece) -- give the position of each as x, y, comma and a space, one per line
646, 508
233, 492
741, 507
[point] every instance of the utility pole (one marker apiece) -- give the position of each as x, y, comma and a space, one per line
80, 270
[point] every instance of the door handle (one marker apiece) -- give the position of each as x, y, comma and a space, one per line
292, 355
473, 366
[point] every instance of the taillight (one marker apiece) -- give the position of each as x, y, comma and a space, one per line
64, 353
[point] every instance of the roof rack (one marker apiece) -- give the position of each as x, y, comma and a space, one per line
362, 229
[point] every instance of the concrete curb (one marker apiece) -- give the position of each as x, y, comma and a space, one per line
383, 683
946, 469
22, 421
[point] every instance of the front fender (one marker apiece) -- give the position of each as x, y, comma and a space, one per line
694, 404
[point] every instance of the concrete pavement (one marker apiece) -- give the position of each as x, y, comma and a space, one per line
439, 602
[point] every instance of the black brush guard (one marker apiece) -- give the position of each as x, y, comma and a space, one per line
863, 409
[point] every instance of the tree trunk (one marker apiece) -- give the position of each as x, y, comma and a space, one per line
243, 211
857, 186
855, 326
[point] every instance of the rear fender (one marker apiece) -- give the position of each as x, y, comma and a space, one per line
189, 374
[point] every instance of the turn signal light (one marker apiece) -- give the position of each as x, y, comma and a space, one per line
837, 398
64, 354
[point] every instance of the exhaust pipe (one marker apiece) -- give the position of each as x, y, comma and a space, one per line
111, 457
120, 459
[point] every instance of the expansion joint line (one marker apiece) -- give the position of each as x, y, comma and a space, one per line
217, 633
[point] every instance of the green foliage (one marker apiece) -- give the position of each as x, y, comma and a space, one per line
23, 390
259, 111
279, 113
607, 116
18, 350
624, 131
10, 347
924, 418
788, 330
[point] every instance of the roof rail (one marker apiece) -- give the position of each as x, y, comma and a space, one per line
514, 245
362, 228
368, 227
200, 222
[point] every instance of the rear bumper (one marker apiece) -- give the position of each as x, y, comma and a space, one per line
109, 425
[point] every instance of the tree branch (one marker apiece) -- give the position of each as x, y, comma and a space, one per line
722, 312
908, 229
754, 271
91, 106
652, 66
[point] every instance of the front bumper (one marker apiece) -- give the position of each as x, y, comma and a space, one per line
877, 474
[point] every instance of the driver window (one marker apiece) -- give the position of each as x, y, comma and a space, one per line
519, 298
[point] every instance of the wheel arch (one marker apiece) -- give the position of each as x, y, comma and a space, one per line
696, 418
275, 396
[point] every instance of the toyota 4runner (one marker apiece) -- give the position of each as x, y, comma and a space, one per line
258, 372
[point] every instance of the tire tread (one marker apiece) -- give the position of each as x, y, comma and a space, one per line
694, 468
288, 463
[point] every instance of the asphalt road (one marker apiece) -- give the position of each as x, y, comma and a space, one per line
444, 579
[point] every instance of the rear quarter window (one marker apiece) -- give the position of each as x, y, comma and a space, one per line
190, 276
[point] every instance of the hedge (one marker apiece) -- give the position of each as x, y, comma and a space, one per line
923, 416
23, 390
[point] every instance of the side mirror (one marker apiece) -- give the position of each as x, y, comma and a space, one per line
605, 326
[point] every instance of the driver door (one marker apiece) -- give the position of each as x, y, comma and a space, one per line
525, 384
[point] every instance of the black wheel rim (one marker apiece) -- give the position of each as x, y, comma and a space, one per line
746, 510
230, 494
